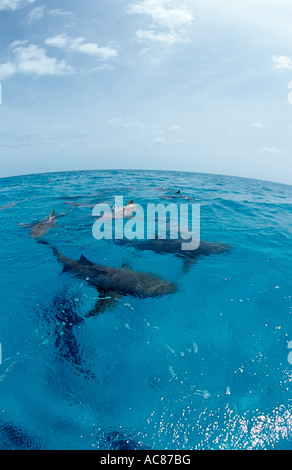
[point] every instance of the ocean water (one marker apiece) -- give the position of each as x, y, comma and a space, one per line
206, 367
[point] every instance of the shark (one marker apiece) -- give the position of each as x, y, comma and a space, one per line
113, 283
123, 211
174, 247
41, 228
174, 195
79, 204
10, 204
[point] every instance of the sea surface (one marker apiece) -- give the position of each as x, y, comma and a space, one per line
206, 367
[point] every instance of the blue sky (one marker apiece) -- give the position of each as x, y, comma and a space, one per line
192, 85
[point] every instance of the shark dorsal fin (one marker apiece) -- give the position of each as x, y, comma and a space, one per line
85, 261
130, 203
52, 215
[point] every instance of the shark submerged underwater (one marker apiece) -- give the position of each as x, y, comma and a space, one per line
113, 283
174, 247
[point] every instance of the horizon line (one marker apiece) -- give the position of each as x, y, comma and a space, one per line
144, 170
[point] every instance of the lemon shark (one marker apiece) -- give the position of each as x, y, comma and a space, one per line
41, 228
174, 247
121, 212
113, 283
10, 204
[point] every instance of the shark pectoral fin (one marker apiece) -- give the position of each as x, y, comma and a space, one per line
63, 214
104, 303
187, 264
25, 225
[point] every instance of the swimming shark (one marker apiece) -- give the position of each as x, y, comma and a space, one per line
79, 204
41, 228
174, 195
10, 204
178, 195
113, 283
123, 211
174, 247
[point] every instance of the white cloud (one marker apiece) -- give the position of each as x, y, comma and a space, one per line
34, 60
59, 12
272, 150
30, 59
14, 4
36, 14
176, 127
165, 13
159, 141
103, 67
18, 43
169, 19
79, 45
57, 41
160, 37
7, 70
258, 125
282, 62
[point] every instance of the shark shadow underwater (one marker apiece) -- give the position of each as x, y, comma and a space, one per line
63, 320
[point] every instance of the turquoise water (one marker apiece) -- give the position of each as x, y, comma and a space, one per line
204, 368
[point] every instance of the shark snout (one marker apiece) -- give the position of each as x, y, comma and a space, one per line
224, 248
165, 288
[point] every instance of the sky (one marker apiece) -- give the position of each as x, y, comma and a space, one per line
187, 85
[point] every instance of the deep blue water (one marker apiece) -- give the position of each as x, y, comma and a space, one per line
204, 368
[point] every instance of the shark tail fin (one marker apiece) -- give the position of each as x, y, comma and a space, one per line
55, 250
43, 242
